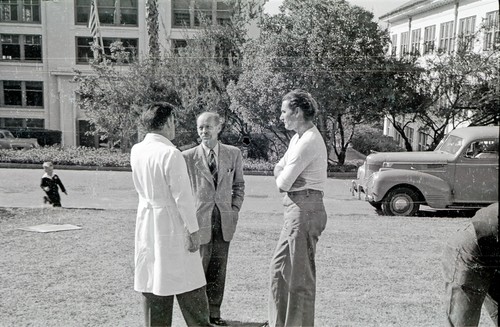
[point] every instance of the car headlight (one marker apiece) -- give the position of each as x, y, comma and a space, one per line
387, 164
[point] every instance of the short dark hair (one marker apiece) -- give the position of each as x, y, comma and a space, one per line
156, 115
303, 100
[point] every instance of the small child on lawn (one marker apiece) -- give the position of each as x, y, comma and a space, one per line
50, 184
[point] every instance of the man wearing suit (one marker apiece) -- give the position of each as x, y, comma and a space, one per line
216, 173
167, 262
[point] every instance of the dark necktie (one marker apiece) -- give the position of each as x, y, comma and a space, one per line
212, 165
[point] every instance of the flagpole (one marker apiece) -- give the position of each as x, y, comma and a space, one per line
95, 28
99, 28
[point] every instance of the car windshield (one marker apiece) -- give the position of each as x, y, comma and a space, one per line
8, 135
450, 144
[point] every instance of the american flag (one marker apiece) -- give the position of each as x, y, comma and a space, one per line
94, 24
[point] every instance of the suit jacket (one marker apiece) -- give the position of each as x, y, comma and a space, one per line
229, 193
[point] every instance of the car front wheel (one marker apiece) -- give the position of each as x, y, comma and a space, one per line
401, 202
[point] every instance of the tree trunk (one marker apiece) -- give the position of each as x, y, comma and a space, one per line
152, 28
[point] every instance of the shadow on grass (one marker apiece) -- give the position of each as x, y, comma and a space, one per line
447, 213
440, 213
76, 208
233, 323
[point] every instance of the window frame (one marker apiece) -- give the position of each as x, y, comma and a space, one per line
21, 11
416, 36
405, 44
23, 44
82, 9
466, 38
446, 37
78, 46
394, 45
24, 94
429, 39
492, 30
214, 10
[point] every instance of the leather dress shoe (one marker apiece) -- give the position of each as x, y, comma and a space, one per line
218, 321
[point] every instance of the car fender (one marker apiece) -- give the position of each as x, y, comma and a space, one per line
436, 191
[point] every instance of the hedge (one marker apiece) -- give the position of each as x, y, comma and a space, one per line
105, 157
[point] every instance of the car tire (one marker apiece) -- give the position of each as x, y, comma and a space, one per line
401, 201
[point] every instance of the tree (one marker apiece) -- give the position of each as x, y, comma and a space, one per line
403, 94
210, 61
112, 96
152, 28
328, 48
463, 86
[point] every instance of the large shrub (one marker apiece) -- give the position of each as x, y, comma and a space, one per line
368, 139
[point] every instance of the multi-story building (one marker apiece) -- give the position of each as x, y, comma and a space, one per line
44, 41
421, 27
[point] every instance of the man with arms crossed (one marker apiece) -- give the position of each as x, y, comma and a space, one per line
167, 261
216, 173
301, 175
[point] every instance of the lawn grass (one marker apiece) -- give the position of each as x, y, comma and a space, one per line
371, 270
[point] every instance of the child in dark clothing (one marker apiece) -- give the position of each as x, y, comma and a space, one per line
50, 184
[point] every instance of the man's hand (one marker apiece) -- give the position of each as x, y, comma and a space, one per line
193, 241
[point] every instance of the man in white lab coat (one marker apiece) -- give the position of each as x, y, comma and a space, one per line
167, 258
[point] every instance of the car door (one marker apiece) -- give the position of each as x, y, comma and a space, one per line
476, 174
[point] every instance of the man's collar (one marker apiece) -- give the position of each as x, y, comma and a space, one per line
206, 150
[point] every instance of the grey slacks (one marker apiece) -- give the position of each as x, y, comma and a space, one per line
293, 269
214, 256
193, 305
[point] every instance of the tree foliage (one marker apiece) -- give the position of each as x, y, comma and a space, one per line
328, 48
113, 95
212, 59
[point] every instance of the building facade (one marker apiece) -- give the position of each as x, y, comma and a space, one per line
421, 27
43, 42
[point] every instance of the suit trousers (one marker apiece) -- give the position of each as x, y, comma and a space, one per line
214, 256
193, 305
469, 283
293, 268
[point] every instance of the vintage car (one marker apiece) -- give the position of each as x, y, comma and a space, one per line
8, 141
461, 173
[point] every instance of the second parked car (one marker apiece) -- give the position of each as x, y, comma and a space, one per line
461, 173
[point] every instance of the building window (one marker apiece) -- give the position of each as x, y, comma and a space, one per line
415, 42
21, 47
446, 37
466, 28
84, 52
394, 45
178, 44
492, 30
429, 38
224, 13
422, 141
181, 13
405, 43
21, 123
22, 94
111, 12
409, 132
192, 13
25, 11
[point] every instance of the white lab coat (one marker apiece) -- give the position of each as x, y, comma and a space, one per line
165, 214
